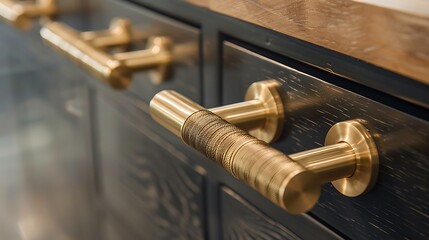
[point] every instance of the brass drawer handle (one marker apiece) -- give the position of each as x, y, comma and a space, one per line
20, 13
89, 50
349, 158
261, 114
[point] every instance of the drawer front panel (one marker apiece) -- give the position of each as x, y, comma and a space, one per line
149, 187
240, 220
47, 172
185, 70
397, 205
47, 178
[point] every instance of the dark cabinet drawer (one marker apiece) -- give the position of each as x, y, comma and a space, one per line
397, 205
184, 74
97, 166
47, 169
240, 220
149, 188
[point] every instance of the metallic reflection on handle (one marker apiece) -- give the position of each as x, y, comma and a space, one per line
293, 182
88, 49
20, 13
261, 114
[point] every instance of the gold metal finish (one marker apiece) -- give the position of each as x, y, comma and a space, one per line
20, 13
171, 110
366, 171
270, 172
293, 182
89, 50
261, 114
330, 162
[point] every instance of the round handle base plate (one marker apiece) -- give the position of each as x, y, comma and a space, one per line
272, 95
365, 176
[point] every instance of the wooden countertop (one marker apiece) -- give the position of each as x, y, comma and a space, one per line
393, 34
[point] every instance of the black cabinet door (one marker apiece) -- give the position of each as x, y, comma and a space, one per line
397, 206
150, 189
46, 186
88, 162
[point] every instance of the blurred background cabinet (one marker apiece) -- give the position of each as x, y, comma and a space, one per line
47, 180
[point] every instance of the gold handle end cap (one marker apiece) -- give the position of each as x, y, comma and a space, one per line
300, 193
120, 77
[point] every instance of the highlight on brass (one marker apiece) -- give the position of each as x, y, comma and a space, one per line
349, 158
261, 114
93, 50
21, 13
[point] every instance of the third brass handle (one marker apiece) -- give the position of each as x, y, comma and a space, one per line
20, 13
349, 158
87, 48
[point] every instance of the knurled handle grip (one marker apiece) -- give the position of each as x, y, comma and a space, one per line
269, 171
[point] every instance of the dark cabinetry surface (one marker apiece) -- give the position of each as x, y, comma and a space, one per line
46, 189
184, 73
240, 220
147, 184
397, 205
95, 163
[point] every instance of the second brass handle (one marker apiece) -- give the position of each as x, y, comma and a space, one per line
293, 182
87, 49
20, 13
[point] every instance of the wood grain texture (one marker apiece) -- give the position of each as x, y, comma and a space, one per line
397, 40
397, 207
240, 220
148, 186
